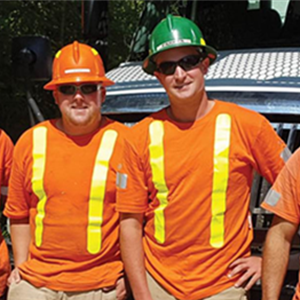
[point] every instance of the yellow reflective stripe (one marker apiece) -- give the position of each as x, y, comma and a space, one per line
220, 179
156, 149
38, 169
97, 192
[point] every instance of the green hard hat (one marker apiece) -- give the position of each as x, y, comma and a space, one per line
173, 32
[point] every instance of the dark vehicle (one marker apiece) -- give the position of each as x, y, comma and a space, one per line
257, 67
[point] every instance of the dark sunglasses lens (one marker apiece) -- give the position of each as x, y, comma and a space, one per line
67, 89
89, 88
167, 67
188, 62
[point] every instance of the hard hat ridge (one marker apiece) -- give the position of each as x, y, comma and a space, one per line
170, 22
76, 53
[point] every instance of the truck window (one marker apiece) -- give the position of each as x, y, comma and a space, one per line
240, 24
281, 8
228, 25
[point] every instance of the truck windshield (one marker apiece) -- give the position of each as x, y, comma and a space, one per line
239, 24
250, 24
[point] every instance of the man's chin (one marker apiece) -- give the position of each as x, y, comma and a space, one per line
182, 95
82, 119
80, 122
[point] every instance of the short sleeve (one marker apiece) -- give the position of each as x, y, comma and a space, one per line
132, 192
270, 152
6, 156
17, 205
283, 198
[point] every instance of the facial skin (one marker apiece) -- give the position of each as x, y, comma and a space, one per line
182, 85
186, 89
81, 114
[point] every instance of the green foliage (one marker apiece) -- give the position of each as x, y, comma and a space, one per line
58, 20
123, 21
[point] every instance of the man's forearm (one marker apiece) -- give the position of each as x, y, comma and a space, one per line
133, 254
20, 237
276, 257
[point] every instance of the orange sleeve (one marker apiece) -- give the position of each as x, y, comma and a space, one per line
269, 152
6, 154
17, 205
132, 191
283, 198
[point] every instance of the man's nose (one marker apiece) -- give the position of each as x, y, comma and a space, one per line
179, 73
78, 95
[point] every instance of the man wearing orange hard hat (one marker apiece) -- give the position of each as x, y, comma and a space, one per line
61, 201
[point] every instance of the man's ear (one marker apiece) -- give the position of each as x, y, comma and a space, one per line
103, 94
205, 65
55, 96
158, 76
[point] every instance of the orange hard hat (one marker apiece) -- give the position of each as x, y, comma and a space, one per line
77, 62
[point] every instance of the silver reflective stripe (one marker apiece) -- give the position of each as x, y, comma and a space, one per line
4, 190
121, 180
286, 154
69, 71
185, 41
272, 197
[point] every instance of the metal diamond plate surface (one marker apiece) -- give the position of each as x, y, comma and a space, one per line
264, 80
276, 66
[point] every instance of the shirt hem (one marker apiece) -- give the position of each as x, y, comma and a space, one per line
127, 209
68, 288
197, 296
279, 213
14, 216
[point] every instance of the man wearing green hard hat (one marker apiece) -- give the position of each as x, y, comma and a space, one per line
185, 180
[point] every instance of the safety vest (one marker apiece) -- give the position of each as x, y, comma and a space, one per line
97, 191
220, 178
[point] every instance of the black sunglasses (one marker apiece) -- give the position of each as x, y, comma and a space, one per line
86, 89
186, 63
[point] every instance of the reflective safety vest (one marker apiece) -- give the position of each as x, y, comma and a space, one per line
220, 178
97, 191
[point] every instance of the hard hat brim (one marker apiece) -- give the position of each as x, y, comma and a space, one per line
149, 65
52, 85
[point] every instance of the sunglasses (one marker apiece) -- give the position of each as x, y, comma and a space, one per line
186, 63
86, 89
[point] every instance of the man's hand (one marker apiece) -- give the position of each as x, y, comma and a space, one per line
250, 267
14, 277
121, 289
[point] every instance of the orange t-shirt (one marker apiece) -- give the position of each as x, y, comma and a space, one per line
6, 154
186, 264
62, 261
284, 197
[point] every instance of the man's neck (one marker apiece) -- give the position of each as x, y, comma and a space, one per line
74, 130
189, 111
